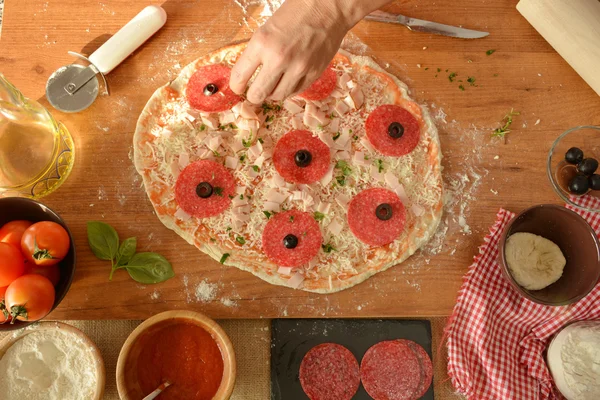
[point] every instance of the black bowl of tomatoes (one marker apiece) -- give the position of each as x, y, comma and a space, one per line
37, 261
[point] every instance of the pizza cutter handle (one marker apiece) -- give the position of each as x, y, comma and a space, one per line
128, 38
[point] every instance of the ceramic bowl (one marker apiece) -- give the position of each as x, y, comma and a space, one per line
16, 208
11, 339
587, 138
576, 239
127, 384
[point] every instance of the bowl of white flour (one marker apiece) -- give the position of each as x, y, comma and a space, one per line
50, 361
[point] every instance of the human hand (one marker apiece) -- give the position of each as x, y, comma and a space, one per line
292, 49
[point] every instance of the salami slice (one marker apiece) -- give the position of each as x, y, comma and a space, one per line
376, 216
208, 89
329, 371
390, 370
322, 87
203, 189
426, 367
299, 157
291, 238
392, 130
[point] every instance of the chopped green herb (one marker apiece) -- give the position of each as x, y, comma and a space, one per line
461, 87
255, 168
291, 218
328, 248
218, 191
320, 126
471, 81
267, 214
242, 157
270, 118
213, 239
495, 74
379, 164
248, 196
261, 140
447, 70
439, 70
232, 126
506, 123
343, 165
336, 136
366, 157
426, 68
355, 137
350, 131
332, 116
248, 143
225, 256
240, 240
452, 76
229, 228
202, 127
490, 52
231, 196
222, 127
319, 216
216, 153
435, 76
241, 197
341, 180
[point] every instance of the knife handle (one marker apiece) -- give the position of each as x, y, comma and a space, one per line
128, 38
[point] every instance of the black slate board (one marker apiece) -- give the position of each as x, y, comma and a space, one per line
291, 339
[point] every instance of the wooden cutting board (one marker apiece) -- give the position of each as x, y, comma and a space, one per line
524, 73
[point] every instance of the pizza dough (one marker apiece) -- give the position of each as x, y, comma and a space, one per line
197, 119
534, 261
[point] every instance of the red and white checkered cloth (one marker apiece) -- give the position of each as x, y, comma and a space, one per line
496, 338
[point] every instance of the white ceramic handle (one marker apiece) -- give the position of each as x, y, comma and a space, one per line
128, 38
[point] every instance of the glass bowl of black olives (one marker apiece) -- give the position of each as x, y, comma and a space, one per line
573, 167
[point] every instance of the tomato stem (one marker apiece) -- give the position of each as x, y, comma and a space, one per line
41, 254
18, 311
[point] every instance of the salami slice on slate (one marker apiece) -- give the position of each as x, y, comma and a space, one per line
291, 238
391, 370
376, 216
203, 189
426, 367
329, 371
208, 89
392, 130
299, 157
322, 87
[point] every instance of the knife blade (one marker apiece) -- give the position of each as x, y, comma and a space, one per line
419, 25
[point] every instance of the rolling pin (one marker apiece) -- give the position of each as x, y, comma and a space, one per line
572, 27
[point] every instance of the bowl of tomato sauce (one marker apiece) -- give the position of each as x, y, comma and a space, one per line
185, 348
37, 261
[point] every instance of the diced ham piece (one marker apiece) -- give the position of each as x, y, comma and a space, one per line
285, 270
259, 161
341, 108
277, 181
240, 189
236, 145
326, 138
241, 217
231, 162
276, 196
417, 209
366, 144
343, 80
237, 202
334, 125
335, 227
323, 208
271, 206
350, 84
293, 106
375, 174
213, 142
237, 225
326, 179
237, 109
184, 160
401, 192
255, 151
343, 139
211, 121
342, 155
342, 200
391, 180
248, 111
337, 94
359, 159
175, 168
245, 209
297, 121
357, 97
313, 112
227, 117
296, 280
182, 215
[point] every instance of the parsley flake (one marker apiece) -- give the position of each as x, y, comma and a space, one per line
255, 168
506, 123
223, 258
490, 52
471, 80
336, 136
202, 127
291, 218
240, 240
461, 87
242, 157
328, 248
452, 76
218, 191
267, 214
319, 216
379, 164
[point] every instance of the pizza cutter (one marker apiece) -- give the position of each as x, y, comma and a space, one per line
74, 87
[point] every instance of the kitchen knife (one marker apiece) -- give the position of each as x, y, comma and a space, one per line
419, 25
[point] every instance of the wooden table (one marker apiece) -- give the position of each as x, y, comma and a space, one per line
531, 78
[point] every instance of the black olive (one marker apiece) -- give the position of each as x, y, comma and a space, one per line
383, 211
204, 190
579, 185
595, 182
290, 241
395, 130
588, 166
574, 155
210, 89
303, 158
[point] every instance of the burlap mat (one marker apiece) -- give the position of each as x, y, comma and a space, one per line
251, 341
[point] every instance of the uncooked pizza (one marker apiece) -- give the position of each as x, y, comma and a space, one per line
318, 192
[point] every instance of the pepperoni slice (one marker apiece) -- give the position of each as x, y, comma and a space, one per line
376, 216
426, 367
390, 370
291, 238
392, 130
203, 189
329, 371
208, 89
322, 87
299, 157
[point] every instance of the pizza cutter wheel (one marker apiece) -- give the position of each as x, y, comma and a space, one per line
74, 87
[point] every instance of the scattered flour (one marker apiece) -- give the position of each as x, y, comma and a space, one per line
228, 302
155, 295
206, 291
102, 193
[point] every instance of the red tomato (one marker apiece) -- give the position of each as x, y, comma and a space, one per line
12, 232
45, 243
4, 316
11, 264
30, 297
52, 272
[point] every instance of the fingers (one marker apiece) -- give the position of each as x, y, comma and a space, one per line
243, 70
285, 88
263, 85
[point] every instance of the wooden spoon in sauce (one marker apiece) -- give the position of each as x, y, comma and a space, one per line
158, 390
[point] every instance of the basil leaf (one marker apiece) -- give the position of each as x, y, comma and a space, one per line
126, 251
149, 268
103, 240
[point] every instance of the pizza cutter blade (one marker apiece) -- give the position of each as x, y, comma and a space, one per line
74, 87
